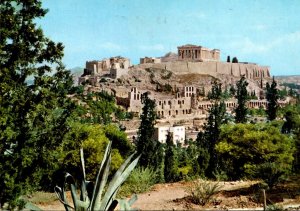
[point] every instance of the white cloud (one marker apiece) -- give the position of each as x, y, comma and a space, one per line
157, 47
247, 46
291, 38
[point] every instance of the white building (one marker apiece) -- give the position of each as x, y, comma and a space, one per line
178, 134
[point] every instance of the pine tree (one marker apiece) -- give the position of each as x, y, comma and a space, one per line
228, 59
242, 98
33, 117
272, 98
235, 60
147, 146
206, 141
232, 90
216, 91
171, 165
290, 122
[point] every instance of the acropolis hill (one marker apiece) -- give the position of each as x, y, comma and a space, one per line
177, 82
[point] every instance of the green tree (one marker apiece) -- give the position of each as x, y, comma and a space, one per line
291, 126
32, 116
100, 107
228, 59
147, 146
246, 149
226, 94
93, 139
291, 119
235, 60
282, 93
232, 90
119, 139
211, 136
242, 98
171, 165
216, 91
272, 98
207, 140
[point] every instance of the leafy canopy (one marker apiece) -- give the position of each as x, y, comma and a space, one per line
243, 148
32, 116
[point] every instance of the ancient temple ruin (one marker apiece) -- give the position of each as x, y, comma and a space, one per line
197, 53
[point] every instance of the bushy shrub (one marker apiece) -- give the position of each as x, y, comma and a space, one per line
270, 173
244, 148
166, 76
140, 180
185, 172
201, 191
93, 139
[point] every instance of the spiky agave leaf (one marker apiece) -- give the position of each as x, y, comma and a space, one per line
84, 182
101, 179
61, 194
30, 206
108, 202
119, 177
126, 205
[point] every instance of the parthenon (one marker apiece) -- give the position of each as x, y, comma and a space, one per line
197, 53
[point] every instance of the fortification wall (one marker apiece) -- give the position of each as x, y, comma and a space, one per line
251, 71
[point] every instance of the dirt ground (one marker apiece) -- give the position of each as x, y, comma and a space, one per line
233, 195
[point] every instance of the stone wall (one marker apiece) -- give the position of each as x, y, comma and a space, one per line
250, 70
149, 60
97, 67
117, 73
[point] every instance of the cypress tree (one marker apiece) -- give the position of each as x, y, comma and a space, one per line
171, 165
228, 59
147, 146
272, 98
207, 140
242, 98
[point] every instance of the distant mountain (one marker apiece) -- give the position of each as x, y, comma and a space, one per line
77, 70
76, 73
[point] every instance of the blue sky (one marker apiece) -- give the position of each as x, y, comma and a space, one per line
266, 32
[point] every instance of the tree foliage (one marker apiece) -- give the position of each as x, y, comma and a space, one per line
291, 126
272, 98
235, 60
147, 146
171, 161
242, 98
93, 139
244, 150
216, 91
210, 137
228, 59
95, 107
32, 117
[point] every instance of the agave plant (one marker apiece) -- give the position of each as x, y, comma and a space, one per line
92, 196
